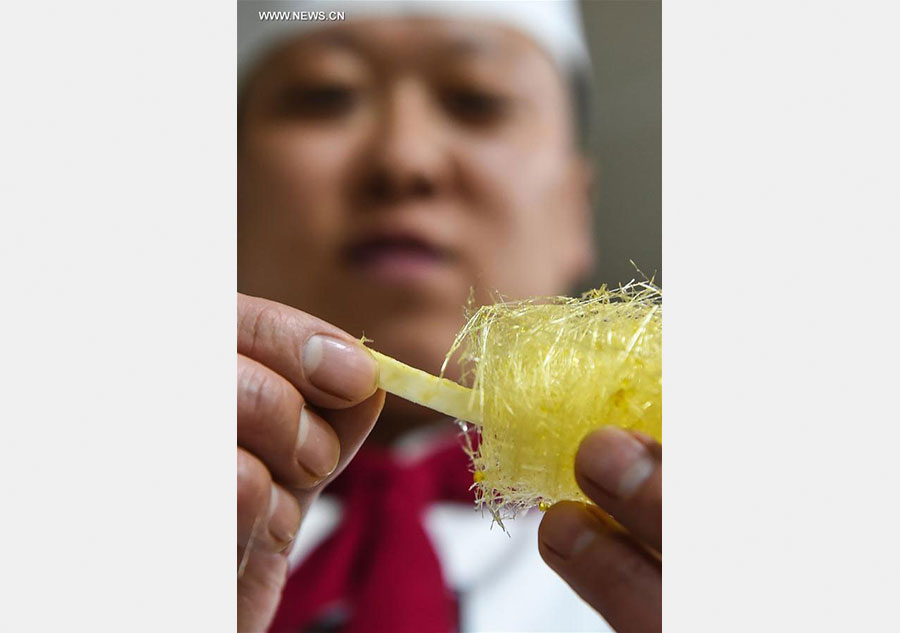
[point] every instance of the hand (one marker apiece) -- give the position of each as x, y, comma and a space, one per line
306, 396
617, 571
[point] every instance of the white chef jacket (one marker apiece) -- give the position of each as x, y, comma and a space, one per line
500, 579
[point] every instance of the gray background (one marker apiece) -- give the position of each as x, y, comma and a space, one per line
624, 37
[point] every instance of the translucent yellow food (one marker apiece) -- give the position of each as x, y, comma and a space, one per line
542, 374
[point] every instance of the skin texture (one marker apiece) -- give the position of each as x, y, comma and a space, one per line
456, 132
454, 135
612, 557
275, 487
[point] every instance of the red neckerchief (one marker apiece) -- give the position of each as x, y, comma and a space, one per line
380, 562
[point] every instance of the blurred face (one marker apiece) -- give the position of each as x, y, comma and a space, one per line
387, 167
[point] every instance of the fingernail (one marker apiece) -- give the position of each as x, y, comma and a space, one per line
343, 369
315, 453
615, 462
280, 529
568, 533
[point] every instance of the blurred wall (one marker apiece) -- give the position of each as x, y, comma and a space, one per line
624, 37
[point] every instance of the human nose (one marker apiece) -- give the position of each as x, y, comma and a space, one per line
407, 155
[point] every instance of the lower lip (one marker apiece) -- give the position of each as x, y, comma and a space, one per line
400, 267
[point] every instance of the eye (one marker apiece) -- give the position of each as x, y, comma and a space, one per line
321, 101
476, 107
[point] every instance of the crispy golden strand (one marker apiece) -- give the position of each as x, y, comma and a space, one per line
543, 373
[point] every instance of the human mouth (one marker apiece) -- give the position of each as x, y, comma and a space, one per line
397, 258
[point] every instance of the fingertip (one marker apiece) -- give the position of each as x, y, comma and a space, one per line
371, 407
614, 463
318, 448
651, 443
601, 440
354, 424
342, 369
283, 518
378, 399
566, 530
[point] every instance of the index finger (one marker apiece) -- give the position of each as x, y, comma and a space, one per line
328, 366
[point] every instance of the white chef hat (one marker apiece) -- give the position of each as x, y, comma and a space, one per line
555, 25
